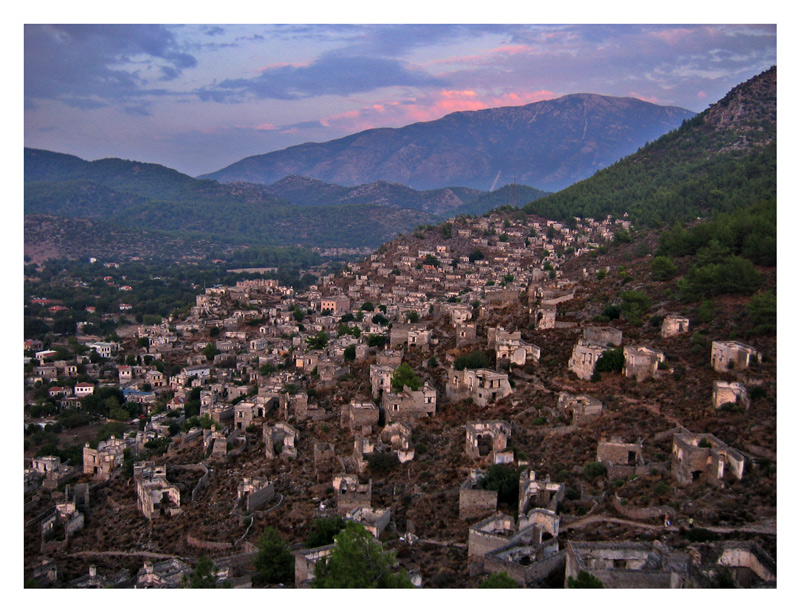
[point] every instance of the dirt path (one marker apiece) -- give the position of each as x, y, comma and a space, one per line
766, 527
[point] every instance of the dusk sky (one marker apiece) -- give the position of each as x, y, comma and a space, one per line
199, 97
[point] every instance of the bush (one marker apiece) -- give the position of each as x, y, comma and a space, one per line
500, 580
382, 462
584, 580
662, 489
593, 470
611, 360
475, 360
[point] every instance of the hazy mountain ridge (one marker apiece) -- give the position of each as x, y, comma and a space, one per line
548, 145
295, 210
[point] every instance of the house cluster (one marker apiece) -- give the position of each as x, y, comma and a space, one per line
250, 351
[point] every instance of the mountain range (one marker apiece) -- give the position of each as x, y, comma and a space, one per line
720, 160
548, 145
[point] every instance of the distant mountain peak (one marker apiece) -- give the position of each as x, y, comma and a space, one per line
549, 145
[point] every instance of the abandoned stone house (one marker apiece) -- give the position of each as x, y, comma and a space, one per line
350, 494
59, 526
745, 561
482, 386
584, 358
305, 561
103, 460
337, 304
329, 372
672, 325
529, 554
490, 533
517, 352
538, 494
488, 441
380, 378
374, 520
162, 574
544, 316
215, 443
359, 416
397, 438
459, 315
474, 501
731, 355
704, 458
155, 495
641, 362
414, 335
408, 404
602, 336
280, 441
389, 357
581, 408
253, 493
465, 333
620, 458
729, 393
295, 406
628, 565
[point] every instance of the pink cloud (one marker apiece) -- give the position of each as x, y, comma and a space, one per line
702, 94
484, 57
283, 65
426, 108
266, 126
651, 99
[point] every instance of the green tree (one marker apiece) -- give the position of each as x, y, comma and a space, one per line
318, 342
405, 375
634, 304
324, 530
504, 480
350, 353
500, 580
203, 576
210, 351
611, 360
357, 562
662, 268
274, 561
584, 580
763, 309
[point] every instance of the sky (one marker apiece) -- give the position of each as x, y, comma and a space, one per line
197, 97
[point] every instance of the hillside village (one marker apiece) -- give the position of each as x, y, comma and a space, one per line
393, 393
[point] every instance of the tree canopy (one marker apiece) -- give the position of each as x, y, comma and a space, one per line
274, 561
358, 562
404, 375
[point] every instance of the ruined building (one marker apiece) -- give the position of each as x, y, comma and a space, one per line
703, 457
732, 355
488, 440
641, 362
482, 386
155, 495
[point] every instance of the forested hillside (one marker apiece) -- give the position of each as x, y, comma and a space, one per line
720, 160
